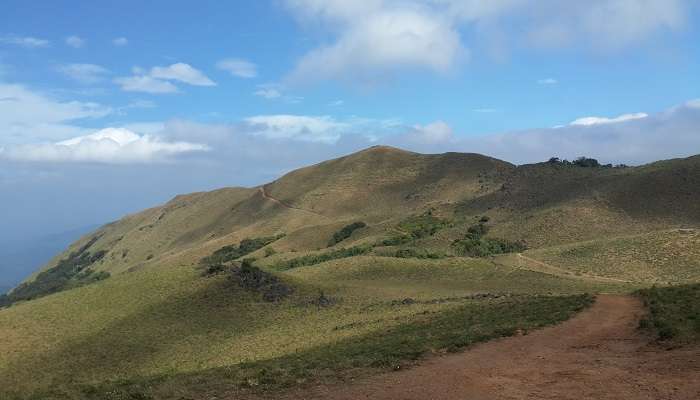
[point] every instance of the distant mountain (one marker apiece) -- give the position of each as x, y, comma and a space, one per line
19, 258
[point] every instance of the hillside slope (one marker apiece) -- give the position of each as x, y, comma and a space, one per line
216, 287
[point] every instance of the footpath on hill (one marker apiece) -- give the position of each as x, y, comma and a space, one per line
599, 354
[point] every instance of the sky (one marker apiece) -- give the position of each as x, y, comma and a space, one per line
107, 108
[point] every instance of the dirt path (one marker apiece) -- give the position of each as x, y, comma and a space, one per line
266, 196
597, 355
553, 270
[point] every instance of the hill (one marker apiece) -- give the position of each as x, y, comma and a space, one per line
245, 289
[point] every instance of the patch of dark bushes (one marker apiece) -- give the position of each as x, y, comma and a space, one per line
69, 273
345, 233
232, 252
396, 240
253, 278
417, 253
583, 162
421, 226
313, 259
474, 244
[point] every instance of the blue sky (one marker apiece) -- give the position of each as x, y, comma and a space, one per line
106, 109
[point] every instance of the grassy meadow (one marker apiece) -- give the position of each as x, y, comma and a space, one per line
372, 249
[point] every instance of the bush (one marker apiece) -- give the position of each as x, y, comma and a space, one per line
396, 241
475, 245
232, 252
417, 253
253, 278
422, 226
345, 233
314, 259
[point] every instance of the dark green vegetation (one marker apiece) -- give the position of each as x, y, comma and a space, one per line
584, 162
422, 226
229, 253
417, 253
345, 233
464, 325
313, 259
253, 278
674, 312
69, 273
474, 244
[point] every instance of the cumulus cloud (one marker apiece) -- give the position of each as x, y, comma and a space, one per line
110, 145
238, 67
376, 44
375, 38
24, 41
83, 73
120, 41
75, 42
589, 121
183, 73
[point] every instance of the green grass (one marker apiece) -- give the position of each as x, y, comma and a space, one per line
659, 257
674, 312
460, 326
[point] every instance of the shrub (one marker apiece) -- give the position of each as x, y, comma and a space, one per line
396, 241
232, 252
253, 278
417, 253
475, 245
314, 259
345, 233
422, 226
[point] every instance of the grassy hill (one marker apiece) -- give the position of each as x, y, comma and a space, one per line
383, 241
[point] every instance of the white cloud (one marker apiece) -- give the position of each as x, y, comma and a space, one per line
589, 121
24, 41
669, 134
548, 81
299, 127
83, 73
110, 146
436, 132
27, 116
120, 41
158, 79
336, 103
375, 38
268, 92
379, 43
145, 84
238, 67
75, 42
183, 73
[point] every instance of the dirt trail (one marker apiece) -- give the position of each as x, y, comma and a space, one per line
599, 354
266, 196
553, 270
